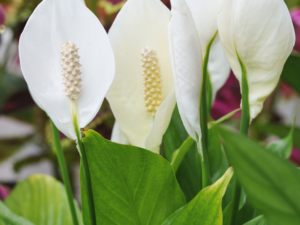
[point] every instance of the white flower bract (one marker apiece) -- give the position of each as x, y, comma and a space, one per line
142, 26
51, 25
261, 34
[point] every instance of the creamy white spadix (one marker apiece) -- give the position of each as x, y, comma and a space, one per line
260, 34
142, 96
67, 62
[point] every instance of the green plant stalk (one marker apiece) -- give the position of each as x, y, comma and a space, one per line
245, 121
203, 120
64, 172
85, 165
179, 154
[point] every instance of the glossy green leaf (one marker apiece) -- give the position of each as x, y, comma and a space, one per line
205, 208
283, 148
271, 183
189, 170
278, 130
9, 218
42, 200
130, 185
260, 220
246, 213
227, 211
218, 163
179, 154
222, 119
290, 73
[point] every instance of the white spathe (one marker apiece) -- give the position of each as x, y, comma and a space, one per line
186, 60
204, 13
140, 24
52, 24
218, 67
117, 135
261, 33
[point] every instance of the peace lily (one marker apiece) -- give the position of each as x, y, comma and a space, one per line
67, 62
257, 37
186, 61
218, 67
141, 95
117, 135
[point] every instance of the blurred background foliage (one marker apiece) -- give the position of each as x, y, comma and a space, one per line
19, 112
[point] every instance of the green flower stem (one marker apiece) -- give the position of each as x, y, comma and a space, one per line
245, 121
64, 172
85, 166
203, 119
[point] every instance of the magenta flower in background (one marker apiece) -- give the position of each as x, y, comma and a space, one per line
3, 192
228, 99
295, 14
2, 16
295, 156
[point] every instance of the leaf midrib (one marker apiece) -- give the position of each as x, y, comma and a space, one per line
128, 192
275, 187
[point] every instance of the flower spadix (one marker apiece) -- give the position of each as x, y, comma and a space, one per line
259, 36
67, 62
141, 95
186, 60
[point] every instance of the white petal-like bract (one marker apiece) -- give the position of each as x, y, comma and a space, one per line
186, 60
204, 13
218, 67
117, 135
262, 35
52, 24
141, 26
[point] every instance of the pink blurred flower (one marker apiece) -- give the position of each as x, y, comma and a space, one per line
295, 156
228, 98
295, 14
2, 16
3, 192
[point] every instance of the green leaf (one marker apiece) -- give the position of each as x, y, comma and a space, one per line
283, 148
271, 183
179, 154
290, 73
130, 185
42, 200
278, 130
242, 210
217, 158
189, 171
9, 218
292, 3
222, 119
206, 207
245, 214
260, 220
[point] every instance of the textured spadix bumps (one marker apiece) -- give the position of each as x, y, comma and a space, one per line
50, 63
260, 34
71, 70
151, 80
142, 27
